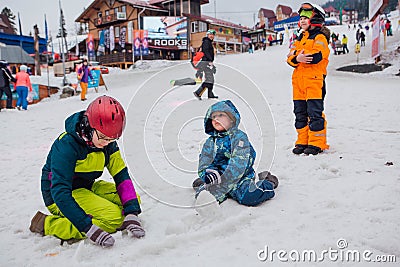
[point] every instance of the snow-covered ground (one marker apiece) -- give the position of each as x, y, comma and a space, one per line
347, 194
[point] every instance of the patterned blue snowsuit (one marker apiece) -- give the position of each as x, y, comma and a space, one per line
232, 155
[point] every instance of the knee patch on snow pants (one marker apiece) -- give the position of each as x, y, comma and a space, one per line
250, 193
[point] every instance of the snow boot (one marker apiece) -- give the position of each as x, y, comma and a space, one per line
197, 183
199, 92
299, 149
37, 223
313, 150
197, 95
266, 175
212, 96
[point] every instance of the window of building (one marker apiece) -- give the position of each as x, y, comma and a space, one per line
202, 26
107, 12
123, 9
194, 27
116, 10
116, 31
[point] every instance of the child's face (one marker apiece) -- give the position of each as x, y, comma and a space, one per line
221, 121
304, 23
100, 140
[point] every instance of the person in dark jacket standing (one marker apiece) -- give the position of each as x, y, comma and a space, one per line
5, 79
80, 206
207, 66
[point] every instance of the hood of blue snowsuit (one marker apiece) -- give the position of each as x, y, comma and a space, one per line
229, 152
225, 106
72, 164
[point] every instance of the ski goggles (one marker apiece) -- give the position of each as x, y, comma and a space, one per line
306, 7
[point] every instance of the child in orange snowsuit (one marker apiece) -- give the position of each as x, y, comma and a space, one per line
309, 56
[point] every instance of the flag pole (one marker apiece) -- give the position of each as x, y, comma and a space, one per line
20, 36
62, 44
47, 55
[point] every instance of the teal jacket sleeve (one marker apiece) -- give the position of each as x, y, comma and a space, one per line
64, 155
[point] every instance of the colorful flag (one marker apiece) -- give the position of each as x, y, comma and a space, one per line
122, 37
112, 38
145, 42
90, 45
77, 47
136, 42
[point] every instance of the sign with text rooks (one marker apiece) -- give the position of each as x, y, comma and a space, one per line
167, 32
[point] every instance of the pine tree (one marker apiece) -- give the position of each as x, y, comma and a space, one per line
11, 17
62, 32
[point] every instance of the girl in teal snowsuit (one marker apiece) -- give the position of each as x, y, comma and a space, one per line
227, 158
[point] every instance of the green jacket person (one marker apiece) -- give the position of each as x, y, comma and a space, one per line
80, 206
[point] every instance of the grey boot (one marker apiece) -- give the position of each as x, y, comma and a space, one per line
266, 175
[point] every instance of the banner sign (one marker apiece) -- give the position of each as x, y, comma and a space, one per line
136, 42
167, 32
122, 37
375, 38
90, 45
96, 79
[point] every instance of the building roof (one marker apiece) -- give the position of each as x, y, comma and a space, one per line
285, 9
135, 3
219, 22
141, 3
268, 13
153, 2
15, 54
331, 9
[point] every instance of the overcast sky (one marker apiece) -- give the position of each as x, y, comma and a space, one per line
33, 11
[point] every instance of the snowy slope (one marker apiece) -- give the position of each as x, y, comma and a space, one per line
346, 192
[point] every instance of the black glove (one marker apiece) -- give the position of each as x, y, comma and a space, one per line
212, 177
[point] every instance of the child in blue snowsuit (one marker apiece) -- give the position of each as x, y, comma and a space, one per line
227, 158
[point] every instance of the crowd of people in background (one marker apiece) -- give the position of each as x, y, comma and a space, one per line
21, 85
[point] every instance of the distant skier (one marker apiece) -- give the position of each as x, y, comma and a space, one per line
207, 66
345, 41
309, 58
226, 160
80, 206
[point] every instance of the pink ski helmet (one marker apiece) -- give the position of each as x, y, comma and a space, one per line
106, 115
